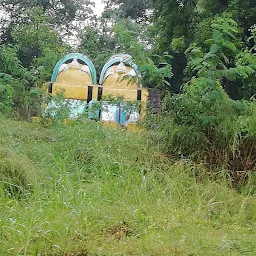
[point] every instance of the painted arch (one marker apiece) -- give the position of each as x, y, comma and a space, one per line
70, 57
114, 61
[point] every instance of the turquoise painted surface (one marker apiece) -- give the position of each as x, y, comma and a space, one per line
73, 108
121, 116
79, 56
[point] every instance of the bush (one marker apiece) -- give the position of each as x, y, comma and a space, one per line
203, 123
207, 126
16, 174
19, 94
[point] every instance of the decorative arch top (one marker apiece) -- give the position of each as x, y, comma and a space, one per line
71, 56
116, 59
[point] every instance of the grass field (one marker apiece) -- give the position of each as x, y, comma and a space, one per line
81, 189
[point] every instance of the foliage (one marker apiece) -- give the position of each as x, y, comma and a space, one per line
223, 58
44, 65
203, 123
98, 44
14, 79
7, 55
36, 36
125, 37
62, 14
6, 92
134, 9
214, 40
28, 64
208, 127
57, 109
191, 21
155, 77
154, 70
178, 44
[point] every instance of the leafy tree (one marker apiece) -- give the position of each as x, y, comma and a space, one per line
15, 80
202, 122
125, 37
35, 36
134, 9
98, 44
62, 13
180, 23
244, 13
224, 59
154, 69
44, 65
27, 65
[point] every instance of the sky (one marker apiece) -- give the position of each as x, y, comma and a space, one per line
99, 6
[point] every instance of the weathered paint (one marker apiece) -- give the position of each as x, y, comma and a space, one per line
126, 93
78, 92
120, 80
81, 92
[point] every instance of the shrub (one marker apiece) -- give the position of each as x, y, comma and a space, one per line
211, 128
16, 174
203, 123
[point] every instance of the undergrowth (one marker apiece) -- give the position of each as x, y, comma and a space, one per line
99, 191
206, 126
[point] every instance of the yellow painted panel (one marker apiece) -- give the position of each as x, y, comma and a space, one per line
144, 95
74, 77
45, 87
144, 99
117, 80
70, 92
95, 92
36, 119
127, 94
133, 127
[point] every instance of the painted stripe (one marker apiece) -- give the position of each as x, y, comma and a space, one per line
50, 88
89, 94
139, 95
100, 91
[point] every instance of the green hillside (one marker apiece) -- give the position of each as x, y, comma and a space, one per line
81, 189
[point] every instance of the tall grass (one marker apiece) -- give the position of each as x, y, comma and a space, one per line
107, 192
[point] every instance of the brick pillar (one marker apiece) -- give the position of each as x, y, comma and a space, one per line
154, 101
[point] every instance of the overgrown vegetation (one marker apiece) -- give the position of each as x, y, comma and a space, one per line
100, 191
186, 186
203, 123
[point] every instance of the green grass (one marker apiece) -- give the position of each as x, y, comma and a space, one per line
89, 190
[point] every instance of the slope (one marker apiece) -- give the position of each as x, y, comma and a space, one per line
81, 189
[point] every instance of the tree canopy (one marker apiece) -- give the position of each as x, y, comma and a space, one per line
174, 42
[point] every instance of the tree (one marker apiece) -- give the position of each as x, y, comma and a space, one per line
62, 13
35, 36
133, 9
15, 80
203, 123
223, 58
102, 41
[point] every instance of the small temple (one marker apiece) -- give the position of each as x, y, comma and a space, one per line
75, 77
